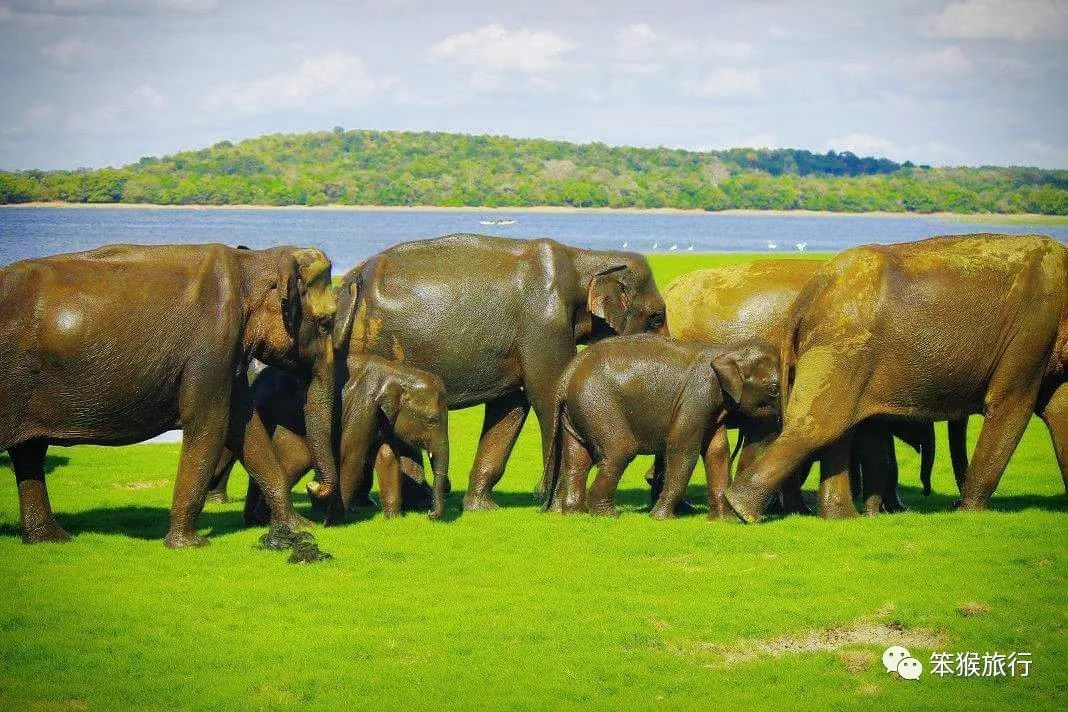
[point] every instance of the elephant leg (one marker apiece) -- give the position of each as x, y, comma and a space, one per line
35, 511
870, 450
361, 495
790, 498
575, 465
202, 444
415, 492
389, 482
503, 422
835, 499
1001, 432
655, 478
295, 459
958, 450
892, 503
717, 458
217, 488
1055, 416
678, 469
603, 491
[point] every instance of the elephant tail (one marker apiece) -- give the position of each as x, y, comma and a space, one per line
927, 456
551, 475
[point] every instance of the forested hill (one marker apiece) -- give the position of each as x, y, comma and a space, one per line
441, 169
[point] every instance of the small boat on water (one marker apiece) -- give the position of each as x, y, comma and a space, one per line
497, 221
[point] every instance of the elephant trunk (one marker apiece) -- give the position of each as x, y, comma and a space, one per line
439, 464
319, 416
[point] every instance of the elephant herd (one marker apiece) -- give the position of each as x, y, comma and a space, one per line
258, 358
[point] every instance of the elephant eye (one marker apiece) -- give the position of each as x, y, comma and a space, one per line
656, 320
326, 325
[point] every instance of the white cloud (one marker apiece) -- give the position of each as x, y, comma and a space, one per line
148, 96
70, 51
494, 48
728, 82
1001, 19
949, 60
640, 47
336, 79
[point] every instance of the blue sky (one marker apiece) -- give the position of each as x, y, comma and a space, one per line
104, 82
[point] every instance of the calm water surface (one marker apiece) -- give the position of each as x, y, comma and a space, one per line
349, 236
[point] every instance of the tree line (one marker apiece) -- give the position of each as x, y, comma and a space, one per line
359, 167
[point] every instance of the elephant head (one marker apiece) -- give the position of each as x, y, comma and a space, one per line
418, 412
621, 296
294, 322
748, 374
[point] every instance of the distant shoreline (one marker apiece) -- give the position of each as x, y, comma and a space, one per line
989, 218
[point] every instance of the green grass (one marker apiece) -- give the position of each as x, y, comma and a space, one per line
515, 609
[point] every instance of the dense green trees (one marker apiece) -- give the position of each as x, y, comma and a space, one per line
399, 168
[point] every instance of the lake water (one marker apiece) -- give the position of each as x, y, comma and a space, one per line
350, 236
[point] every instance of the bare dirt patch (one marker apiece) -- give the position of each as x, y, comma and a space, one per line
971, 609
138, 485
860, 634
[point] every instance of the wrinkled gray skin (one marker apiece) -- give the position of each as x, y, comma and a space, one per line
119, 344
497, 320
382, 402
646, 394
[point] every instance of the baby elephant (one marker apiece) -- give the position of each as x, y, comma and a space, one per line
389, 403
648, 395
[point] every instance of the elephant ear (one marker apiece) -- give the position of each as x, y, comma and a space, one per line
729, 372
289, 292
389, 400
607, 298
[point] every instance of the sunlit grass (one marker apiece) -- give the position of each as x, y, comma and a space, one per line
518, 609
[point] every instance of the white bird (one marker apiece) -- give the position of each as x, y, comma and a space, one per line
656, 245
773, 245
801, 246
673, 247
690, 248
625, 245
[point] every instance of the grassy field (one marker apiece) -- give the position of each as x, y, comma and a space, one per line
515, 609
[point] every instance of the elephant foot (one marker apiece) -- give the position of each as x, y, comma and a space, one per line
298, 523
746, 502
184, 540
217, 497
838, 510
49, 532
726, 515
970, 505
662, 512
605, 509
893, 505
557, 507
479, 503
685, 508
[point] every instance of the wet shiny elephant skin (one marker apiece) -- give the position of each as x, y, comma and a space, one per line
753, 301
646, 394
497, 320
122, 343
933, 330
383, 404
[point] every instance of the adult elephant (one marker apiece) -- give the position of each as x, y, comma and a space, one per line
498, 320
753, 300
119, 344
932, 330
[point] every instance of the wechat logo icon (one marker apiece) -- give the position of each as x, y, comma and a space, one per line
898, 659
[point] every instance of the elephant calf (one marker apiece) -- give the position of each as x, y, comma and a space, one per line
650, 395
382, 403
